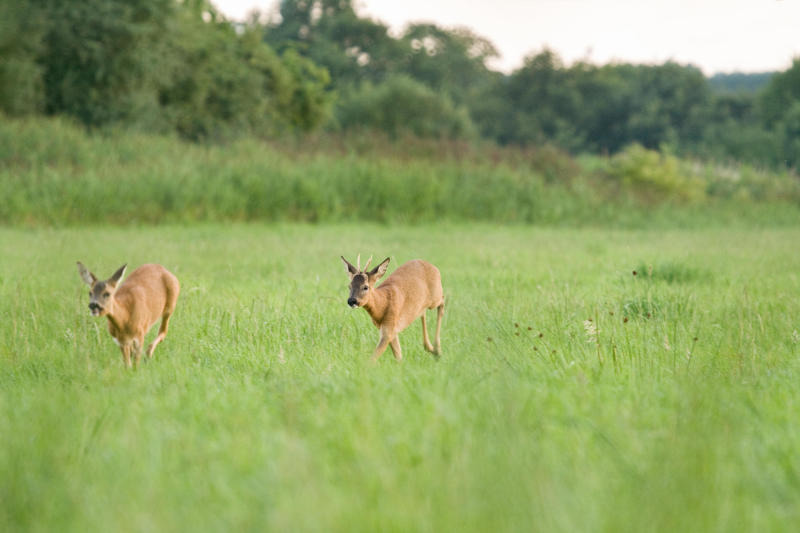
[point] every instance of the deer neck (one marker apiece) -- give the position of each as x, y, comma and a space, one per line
376, 304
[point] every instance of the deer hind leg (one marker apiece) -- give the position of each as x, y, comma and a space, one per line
162, 332
439, 314
426, 342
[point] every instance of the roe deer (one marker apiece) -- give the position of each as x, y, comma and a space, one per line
406, 294
133, 307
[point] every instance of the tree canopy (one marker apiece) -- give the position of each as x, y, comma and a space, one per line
179, 66
154, 64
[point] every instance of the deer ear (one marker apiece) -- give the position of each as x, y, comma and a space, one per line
351, 270
377, 273
114, 279
86, 276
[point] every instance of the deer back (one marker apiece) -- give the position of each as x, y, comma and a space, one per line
146, 293
414, 287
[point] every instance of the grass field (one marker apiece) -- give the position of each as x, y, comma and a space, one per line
571, 395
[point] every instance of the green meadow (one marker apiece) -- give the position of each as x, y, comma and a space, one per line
619, 247
572, 395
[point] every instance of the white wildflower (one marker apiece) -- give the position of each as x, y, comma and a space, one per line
591, 331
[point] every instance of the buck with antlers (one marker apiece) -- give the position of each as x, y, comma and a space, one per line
132, 308
406, 294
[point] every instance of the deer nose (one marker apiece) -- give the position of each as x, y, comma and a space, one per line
351, 302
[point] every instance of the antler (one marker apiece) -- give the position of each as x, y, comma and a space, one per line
358, 263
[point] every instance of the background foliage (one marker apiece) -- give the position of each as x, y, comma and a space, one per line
53, 173
167, 66
153, 65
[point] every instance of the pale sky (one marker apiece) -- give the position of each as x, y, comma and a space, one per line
715, 35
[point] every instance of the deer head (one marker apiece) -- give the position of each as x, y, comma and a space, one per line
363, 281
101, 293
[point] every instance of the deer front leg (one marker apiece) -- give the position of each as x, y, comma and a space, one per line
126, 354
395, 344
382, 344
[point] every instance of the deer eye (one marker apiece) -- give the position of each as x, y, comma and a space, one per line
106, 294
364, 288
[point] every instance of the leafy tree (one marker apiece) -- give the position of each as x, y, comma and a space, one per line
451, 61
585, 107
543, 103
605, 107
733, 130
21, 43
739, 82
490, 109
779, 95
362, 57
167, 65
679, 94
790, 135
103, 59
332, 35
403, 105
226, 81
156, 65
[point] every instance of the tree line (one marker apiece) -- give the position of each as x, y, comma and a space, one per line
179, 66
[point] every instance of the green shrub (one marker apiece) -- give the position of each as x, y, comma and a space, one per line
654, 177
